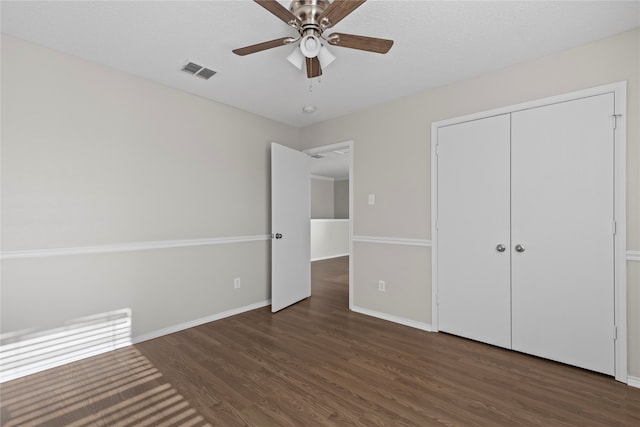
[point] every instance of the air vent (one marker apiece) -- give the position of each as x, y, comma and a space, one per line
334, 154
198, 70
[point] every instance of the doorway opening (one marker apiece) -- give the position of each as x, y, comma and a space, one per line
331, 180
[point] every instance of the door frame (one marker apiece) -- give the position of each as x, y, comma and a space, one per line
619, 127
337, 146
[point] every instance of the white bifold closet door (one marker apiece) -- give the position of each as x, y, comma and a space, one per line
538, 183
474, 297
562, 213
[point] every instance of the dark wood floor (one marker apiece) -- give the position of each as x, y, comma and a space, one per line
312, 364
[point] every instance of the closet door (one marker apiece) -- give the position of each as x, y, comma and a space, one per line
473, 221
562, 215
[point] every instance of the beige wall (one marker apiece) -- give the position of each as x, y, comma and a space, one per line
341, 199
91, 157
405, 270
395, 138
322, 198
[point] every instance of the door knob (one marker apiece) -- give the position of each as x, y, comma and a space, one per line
278, 236
500, 248
519, 248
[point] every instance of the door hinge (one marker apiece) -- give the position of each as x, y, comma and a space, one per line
614, 227
615, 120
615, 332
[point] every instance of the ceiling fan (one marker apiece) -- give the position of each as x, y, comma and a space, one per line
311, 18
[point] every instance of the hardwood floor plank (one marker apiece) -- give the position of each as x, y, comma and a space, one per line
316, 364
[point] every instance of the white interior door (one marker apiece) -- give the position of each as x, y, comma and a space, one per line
290, 225
474, 298
562, 214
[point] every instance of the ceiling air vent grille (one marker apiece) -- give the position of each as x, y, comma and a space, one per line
198, 70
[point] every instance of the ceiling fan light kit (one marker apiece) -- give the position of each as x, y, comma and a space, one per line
325, 57
311, 18
296, 58
310, 46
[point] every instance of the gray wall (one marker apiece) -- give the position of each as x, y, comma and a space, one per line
329, 198
402, 209
322, 198
341, 199
92, 157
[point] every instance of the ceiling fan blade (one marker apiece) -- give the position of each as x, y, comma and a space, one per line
263, 46
313, 67
280, 11
337, 11
370, 44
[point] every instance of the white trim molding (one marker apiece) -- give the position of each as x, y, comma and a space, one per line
198, 322
619, 90
393, 241
328, 257
323, 178
128, 247
633, 255
15, 373
392, 318
633, 381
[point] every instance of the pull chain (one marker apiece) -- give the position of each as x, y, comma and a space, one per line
311, 84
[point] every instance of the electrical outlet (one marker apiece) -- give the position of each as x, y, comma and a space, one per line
381, 286
236, 282
372, 199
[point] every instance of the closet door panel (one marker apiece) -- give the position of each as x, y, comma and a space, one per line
472, 220
562, 214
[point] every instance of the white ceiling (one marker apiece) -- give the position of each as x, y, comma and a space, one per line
436, 43
336, 168
331, 161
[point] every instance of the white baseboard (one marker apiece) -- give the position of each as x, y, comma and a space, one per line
198, 322
329, 257
58, 360
392, 318
633, 381
23, 371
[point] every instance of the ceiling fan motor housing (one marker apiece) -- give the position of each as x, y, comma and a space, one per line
308, 11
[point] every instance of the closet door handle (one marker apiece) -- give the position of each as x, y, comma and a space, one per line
519, 248
501, 248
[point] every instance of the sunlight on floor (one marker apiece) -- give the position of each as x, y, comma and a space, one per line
118, 388
100, 387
